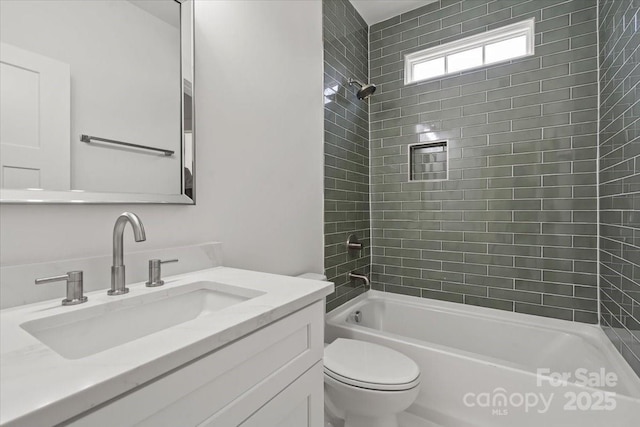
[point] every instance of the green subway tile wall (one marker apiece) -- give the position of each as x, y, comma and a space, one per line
346, 142
619, 53
514, 227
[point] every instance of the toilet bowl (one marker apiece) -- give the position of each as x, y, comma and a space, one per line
367, 384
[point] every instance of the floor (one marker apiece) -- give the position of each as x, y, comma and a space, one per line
405, 419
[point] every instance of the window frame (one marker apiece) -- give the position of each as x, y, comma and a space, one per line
522, 28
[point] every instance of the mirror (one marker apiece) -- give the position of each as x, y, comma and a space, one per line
96, 101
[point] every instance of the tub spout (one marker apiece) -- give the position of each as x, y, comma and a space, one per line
353, 276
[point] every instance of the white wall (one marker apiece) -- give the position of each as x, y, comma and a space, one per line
125, 85
259, 153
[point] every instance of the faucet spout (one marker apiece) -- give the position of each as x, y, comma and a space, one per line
353, 276
117, 269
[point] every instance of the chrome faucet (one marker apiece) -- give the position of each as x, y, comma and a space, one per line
353, 276
117, 269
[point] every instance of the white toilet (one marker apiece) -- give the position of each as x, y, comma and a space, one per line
367, 384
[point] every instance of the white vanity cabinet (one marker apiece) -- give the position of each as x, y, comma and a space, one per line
216, 347
270, 377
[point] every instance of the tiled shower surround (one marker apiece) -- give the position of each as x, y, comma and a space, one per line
514, 226
346, 146
619, 26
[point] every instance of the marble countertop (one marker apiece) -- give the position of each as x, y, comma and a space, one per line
40, 387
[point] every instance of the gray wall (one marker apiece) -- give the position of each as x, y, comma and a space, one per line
514, 226
346, 147
620, 175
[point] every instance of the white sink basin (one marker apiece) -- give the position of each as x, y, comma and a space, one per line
87, 331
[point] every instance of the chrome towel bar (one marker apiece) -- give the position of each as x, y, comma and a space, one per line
89, 139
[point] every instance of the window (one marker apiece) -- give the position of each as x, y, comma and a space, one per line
499, 45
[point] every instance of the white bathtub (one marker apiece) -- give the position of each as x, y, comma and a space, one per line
484, 367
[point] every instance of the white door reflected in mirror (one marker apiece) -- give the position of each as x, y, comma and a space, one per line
34, 120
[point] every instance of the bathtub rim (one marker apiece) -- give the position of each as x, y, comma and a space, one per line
468, 310
593, 333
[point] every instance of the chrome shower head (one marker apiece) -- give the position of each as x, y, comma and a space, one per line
365, 90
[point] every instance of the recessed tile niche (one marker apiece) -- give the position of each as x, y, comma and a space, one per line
428, 162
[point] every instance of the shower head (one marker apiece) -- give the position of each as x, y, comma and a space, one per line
365, 90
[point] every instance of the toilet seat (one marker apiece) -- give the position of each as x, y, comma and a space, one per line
371, 366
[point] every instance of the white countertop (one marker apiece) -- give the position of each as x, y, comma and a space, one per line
40, 387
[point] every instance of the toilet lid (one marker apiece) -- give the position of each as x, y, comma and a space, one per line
369, 365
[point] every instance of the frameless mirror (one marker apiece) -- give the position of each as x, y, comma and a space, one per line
96, 101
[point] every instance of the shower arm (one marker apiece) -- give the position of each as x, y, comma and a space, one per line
352, 82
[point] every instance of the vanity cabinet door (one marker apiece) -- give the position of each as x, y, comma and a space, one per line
301, 404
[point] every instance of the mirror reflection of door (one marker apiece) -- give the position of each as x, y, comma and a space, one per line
188, 164
188, 139
34, 120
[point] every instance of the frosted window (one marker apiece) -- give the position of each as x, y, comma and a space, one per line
428, 69
464, 60
506, 49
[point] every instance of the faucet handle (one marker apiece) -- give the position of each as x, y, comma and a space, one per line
155, 272
74, 286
